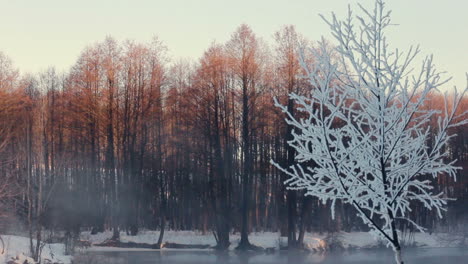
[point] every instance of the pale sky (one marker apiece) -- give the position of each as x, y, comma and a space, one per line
43, 33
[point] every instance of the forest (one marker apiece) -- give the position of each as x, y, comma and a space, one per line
131, 139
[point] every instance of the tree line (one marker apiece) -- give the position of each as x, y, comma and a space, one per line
130, 139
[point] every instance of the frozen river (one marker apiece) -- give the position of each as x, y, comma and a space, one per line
411, 256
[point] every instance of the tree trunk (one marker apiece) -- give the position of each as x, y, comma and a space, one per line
398, 258
291, 194
222, 234
3, 245
163, 226
244, 242
163, 209
305, 214
292, 216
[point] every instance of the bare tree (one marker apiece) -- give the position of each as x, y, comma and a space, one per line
8, 186
215, 125
289, 70
244, 52
364, 128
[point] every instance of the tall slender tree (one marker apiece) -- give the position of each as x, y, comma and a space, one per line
244, 51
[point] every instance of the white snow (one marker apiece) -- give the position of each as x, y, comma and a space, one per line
18, 247
263, 239
313, 241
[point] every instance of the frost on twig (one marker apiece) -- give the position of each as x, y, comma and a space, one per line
364, 128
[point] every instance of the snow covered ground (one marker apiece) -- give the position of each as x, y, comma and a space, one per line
313, 241
263, 239
18, 247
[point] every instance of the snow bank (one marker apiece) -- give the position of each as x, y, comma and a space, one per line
18, 247
151, 237
263, 239
312, 241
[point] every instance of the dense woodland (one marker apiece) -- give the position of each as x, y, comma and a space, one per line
129, 138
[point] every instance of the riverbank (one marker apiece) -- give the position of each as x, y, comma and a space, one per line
312, 241
18, 247
16, 250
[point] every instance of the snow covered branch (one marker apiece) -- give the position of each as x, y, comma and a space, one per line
364, 129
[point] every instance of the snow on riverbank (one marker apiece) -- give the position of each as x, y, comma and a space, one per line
16, 246
53, 253
263, 239
313, 241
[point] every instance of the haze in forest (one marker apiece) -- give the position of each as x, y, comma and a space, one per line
213, 127
39, 34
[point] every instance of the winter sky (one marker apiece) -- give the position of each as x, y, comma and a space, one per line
39, 34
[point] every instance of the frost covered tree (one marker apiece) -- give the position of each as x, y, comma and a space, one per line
361, 135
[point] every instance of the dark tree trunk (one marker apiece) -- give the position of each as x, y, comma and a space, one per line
244, 242
305, 216
291, 194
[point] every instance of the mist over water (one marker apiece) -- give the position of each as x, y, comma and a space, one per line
381, 256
